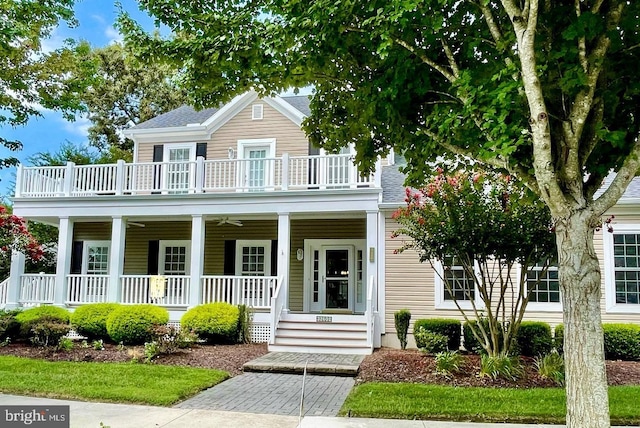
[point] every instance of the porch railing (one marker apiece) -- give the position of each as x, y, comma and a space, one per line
369, 314
220, 175
87, 289
37, 289
4, 290
277, 306
136, 290
255, 291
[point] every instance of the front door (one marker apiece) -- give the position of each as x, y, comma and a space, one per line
333, 278
179, 168
256, 174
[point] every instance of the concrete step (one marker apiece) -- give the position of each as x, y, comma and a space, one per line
340, 364
321, 334
292, 325
323, 318
314, 349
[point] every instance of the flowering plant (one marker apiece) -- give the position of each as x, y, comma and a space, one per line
14, 235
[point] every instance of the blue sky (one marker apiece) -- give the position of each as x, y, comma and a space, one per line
96, 19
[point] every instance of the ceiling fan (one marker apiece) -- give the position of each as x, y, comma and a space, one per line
226, 220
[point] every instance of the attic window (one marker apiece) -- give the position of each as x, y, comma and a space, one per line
256, 112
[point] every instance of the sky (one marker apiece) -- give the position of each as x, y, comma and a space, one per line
95, 25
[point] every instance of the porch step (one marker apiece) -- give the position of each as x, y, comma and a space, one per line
319, 364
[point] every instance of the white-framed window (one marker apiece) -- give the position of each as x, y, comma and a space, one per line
95, 257
253, 258
544, 289
256, 167
179, 174
622, 268
174, 257
257, 111
462, 285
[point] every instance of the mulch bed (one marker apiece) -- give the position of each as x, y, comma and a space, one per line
384, 365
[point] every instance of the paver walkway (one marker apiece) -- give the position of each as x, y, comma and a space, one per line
275, 393
294, 362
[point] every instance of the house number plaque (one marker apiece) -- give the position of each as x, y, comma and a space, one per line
323, 318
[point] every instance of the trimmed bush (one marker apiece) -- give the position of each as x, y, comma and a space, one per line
621, 341
558, 338
27, 319
91, 320
432, 343
9, 326
533, 339
444, 326
48, 331
213, 322
402, 319
134, 325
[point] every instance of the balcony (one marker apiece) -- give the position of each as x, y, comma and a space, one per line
284, 173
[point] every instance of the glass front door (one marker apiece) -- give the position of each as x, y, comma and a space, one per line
337, 279
332, 278
256, 168
179, 170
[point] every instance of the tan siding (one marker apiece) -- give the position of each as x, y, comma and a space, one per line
316, 229
289, 137
136, 252
92, 231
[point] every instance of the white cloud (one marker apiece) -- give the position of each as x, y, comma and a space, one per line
99, 18
113, 35
55, 41
79, 127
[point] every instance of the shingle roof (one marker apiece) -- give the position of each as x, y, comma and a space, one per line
185, 115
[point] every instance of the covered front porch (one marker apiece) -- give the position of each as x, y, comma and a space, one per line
301, 270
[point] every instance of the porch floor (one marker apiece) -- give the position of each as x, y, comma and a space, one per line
294, 362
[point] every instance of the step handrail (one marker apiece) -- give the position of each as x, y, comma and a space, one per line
369, 315
277, 305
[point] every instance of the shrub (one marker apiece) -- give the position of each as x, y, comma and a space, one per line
133, 325
402, 319
551, 366
245, 318
48, 331
470, 342
9, 326
167, 340
431, 342
533, 338
444, 326
91, 320
501, 367
558, 338
65, 344
27, 319
621, 341
213, 322
448, 362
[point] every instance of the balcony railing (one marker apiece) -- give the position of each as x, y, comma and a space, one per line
199, 176
253, 291
4, 290
36, 289
136, 289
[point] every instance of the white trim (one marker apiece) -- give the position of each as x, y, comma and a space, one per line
85, 254
257, 142
242, 243
286, 109
186, 243
173, 146
609, 270
439, 291
382, 272
257, 111
540, 306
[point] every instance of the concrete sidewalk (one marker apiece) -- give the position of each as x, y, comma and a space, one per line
90, 415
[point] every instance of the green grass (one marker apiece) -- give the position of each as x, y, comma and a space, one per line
536, 405
111, 382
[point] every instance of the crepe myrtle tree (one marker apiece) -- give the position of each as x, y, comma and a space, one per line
495, 230
547, 91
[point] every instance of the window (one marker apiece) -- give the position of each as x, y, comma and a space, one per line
96, 258
622, 268
253, 258
461, 283
174, 257
257, 111
256, 167
180, 158
544, 286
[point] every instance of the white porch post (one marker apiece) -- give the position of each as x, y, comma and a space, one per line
372, 262
284, 252
116, 258
65, 240
17, 270
197, 258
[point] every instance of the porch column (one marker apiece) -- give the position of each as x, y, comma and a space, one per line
284, 252
197, 258
17, 270
116, 258
372, 265
63, 267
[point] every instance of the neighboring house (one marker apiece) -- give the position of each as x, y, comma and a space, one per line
233, 204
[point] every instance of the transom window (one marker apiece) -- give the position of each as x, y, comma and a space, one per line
626, 256
543, 285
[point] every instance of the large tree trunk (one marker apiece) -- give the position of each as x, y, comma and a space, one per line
579, 271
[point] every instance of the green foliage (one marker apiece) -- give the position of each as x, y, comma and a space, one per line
445, 326
245, 317
213, 322
551, 366
134, 324
533, 339
622, 341
168, 340
471, 344
76, 153
65, 344
91, 320
558, 338
98, 345
505, 367
48, 331
429, 342
449, 362
9, 326
402, 319
28, 318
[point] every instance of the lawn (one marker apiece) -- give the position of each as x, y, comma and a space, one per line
534, 405
111, 382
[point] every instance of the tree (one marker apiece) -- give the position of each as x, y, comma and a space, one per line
30, 77
14, 236
496, 230
545, 91
78, 154
125, 92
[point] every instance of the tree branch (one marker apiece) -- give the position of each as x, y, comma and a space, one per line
452, 60
582, 43
426, 60
491, 22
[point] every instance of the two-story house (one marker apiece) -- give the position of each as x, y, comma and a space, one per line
233, 204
